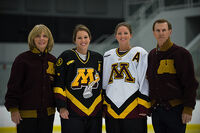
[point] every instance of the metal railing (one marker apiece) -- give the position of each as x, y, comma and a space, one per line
151, 8
147, 10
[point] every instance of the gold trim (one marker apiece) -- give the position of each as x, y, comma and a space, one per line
167, 45
175, 102
129, 108
144, 103
122, 54
35, 51
188, 110
51, 111
34, 114
13, 109
70, 62
84, 62
86, 110
60, 91
28, 113
76, 102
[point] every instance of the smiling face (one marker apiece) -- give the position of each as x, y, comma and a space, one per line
82, 41
123, 37
41, 41
161, 33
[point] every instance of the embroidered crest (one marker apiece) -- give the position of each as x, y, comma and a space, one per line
59, 62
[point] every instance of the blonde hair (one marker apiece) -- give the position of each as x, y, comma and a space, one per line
80, 27
37, 30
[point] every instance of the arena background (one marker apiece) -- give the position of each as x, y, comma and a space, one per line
17, 18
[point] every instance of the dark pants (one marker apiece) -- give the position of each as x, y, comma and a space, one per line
168, 120
36, 125
81, 125
138, 125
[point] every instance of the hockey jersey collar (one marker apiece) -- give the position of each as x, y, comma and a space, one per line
121, 55
87, 58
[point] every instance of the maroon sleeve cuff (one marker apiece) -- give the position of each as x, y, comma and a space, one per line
188, 110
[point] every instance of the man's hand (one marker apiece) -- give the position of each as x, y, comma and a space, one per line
64, 113
186, 118
16, 117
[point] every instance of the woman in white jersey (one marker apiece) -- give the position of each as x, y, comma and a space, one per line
125, 85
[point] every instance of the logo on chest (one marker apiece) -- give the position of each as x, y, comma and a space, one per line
166, 66
86, 78
119, 73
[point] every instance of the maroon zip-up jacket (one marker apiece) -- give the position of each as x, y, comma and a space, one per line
171, 77
30, 85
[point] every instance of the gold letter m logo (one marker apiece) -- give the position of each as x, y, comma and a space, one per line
119, 74
83, 78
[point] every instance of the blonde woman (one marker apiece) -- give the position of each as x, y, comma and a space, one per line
30, 96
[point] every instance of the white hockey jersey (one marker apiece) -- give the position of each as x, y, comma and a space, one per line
124, 81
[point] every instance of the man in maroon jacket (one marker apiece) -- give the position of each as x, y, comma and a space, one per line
172, 82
